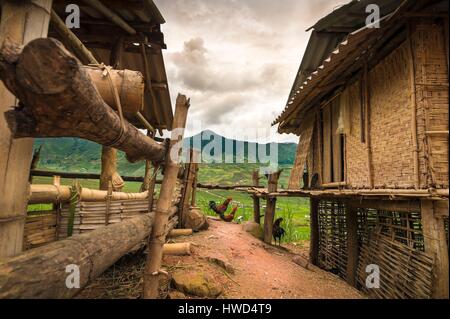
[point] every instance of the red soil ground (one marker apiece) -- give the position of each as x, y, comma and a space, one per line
261, 271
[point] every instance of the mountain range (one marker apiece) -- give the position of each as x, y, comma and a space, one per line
77, 155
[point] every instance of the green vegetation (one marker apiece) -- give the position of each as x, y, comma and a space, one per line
76, 155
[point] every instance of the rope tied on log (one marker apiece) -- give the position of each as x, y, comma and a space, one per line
106, 72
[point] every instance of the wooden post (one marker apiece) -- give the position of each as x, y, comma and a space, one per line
270, 206
157, 238
188, 187
314, 225
436, 245
195, 159
352, 244
21, 21
256, 203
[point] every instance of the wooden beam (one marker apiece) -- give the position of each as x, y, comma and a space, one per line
157, 238
435, 239
65, 103
21, 21
367, 109
110, 15
46, 194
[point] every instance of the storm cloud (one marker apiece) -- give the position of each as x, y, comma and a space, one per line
237, 59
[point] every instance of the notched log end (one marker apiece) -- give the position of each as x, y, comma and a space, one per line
20, 124
10, 51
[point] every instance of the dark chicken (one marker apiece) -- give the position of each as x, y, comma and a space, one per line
278, 231
229, 218
220, 209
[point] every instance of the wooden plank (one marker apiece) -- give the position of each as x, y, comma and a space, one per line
303, 148
435, 239
21, 21
256, 202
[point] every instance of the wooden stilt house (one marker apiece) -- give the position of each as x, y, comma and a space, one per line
370, 105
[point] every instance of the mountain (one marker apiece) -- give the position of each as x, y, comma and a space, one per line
77, 155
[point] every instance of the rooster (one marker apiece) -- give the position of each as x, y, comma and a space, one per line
229, 218
278, 231
220, 209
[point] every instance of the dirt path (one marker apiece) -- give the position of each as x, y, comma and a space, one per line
260, 270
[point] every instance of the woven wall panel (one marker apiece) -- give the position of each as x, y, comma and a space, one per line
40, 229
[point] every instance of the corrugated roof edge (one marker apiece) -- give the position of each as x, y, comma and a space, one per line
155, 11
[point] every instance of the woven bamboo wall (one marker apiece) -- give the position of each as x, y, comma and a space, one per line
391, 240
356, 151
431, 79
390, 121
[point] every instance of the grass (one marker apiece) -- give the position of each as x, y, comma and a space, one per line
294, 211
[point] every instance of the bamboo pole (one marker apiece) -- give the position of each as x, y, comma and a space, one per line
412, 72
21, 21
157, 238
177, 249
46, 194
111, 15
180, 232
78, 47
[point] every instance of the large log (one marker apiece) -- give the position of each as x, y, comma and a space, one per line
58, 99
41, 272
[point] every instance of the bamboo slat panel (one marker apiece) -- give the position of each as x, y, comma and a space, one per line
40, 229
92, 215
391, 240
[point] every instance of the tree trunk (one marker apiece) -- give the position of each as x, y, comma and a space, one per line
65, 103
314, 225
41, 272
157, 238
21, 21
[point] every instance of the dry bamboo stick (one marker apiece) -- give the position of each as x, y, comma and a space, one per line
180, 232
157, 238
177, 249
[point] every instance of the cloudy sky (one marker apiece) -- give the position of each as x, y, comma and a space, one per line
237, 59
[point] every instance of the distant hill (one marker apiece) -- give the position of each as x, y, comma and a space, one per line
77, 155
